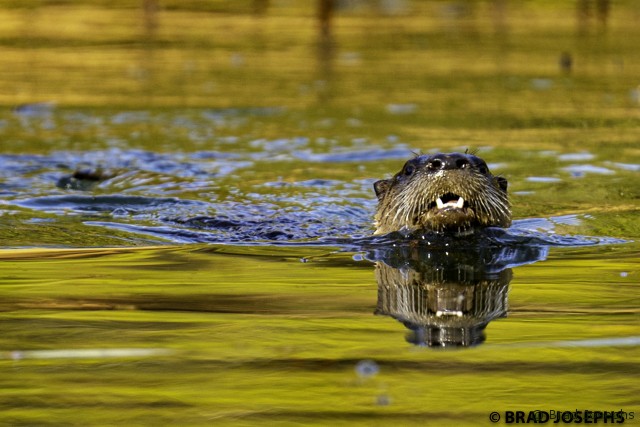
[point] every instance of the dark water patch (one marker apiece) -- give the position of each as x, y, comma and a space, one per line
296, 228
123, 170
256, 303
386, 365
302, 229
113, 204
487, 248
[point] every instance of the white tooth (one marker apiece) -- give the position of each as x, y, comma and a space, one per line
460, 203
439, 203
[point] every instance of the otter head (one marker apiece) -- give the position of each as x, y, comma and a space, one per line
442, 192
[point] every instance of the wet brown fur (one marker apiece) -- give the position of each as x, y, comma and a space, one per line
407, 201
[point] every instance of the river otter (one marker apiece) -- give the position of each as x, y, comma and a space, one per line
453, 192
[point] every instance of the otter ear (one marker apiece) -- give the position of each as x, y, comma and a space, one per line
502, 183
381, 187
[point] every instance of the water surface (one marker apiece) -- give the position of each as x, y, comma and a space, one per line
216, 264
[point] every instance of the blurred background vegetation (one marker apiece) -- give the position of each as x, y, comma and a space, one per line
475, 56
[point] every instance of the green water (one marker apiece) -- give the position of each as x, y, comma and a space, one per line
114, 313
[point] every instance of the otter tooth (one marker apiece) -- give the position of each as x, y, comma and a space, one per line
456, 313
439, 203
460, 203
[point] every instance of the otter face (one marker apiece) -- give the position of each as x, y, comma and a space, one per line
442, 192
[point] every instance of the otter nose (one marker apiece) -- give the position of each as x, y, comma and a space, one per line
448, 161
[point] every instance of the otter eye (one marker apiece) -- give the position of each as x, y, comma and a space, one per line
462, 163
435, 164
409, 169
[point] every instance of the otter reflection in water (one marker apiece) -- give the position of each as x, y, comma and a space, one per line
452, 192
446, 295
